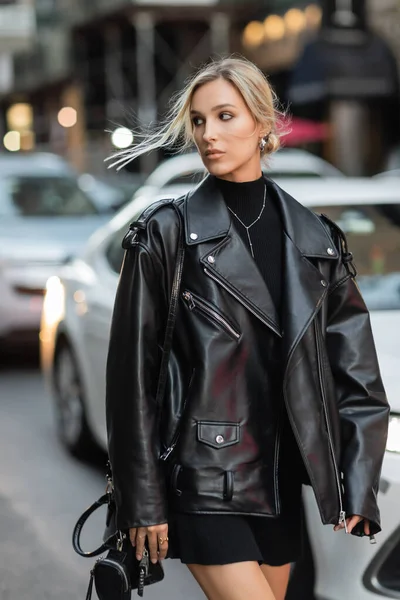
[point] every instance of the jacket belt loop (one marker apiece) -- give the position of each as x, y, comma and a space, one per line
228, 485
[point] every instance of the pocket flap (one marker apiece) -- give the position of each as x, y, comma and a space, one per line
218, 434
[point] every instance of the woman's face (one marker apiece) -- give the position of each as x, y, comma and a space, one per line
225, 132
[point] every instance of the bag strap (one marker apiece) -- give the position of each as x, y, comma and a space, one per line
173, 306
162, 380
90, 587
76, 534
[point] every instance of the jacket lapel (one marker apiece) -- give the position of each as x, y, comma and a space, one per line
230, 263
233, 267
304, 287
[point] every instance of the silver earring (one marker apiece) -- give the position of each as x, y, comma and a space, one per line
263, 142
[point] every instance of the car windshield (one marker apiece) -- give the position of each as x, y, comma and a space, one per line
373, 235
30, 196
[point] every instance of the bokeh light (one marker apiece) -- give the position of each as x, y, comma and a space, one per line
253, 34
12, 141
274, 27
313, 14
295, 20
67, 116
122, 137
19, 116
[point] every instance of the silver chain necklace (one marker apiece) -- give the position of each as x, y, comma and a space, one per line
247, 227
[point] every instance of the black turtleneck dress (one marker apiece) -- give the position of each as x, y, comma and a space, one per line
224, 539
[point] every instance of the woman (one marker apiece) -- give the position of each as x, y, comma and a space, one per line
273, 376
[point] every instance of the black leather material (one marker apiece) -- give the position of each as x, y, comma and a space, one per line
111, 576
109, 541
332, 387
116, 574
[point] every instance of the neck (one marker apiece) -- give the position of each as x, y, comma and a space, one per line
247, 172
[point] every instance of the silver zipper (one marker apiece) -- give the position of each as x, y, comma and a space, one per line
256, 314
342, 513
276, 460
117, 566
196, 302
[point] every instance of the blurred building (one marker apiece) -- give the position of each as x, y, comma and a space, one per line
336, 63
100, 66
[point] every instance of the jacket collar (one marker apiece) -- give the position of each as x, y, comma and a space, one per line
207, 218
230, 263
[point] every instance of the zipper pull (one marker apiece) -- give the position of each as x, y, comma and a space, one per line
342, 519
189, 299
143, 572
145, 563
167, 452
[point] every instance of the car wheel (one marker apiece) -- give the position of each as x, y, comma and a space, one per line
72, 426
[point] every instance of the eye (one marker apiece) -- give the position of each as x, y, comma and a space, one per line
225, 116
197, 121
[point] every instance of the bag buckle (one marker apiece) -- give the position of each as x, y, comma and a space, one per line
120, 540
109, 486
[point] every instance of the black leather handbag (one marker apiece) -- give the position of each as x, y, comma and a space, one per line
119, 572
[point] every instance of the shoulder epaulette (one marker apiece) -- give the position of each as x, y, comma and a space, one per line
347, 257
141, 222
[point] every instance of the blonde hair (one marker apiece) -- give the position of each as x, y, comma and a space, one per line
176, 131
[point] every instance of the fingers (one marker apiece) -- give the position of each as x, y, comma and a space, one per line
132, 535
153, 545
158, 542
342, 525
157, 536
351, 522
163, 543
367, 528
140, 540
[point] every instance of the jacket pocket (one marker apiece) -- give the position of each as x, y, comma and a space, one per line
218, 434
195, 302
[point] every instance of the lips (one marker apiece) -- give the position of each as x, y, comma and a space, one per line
214, 152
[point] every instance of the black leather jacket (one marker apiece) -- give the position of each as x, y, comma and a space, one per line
225, 458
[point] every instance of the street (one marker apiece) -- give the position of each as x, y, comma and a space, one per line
42, 493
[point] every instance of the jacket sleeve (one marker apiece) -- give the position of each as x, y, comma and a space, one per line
362, 403
131, 383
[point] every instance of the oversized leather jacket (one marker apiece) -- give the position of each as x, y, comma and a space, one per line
222, 453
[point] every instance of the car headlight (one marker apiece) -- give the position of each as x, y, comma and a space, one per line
54, 302
393, 442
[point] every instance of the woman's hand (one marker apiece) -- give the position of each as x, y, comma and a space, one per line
351, 522
157, 536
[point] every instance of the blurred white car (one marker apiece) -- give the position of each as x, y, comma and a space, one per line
391, 173
45, 218
188, 169
74, 342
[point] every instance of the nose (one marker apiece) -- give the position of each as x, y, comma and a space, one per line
209, 133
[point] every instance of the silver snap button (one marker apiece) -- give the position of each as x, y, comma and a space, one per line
211, 259
323, 282
193, 236
219, 439
330, 251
